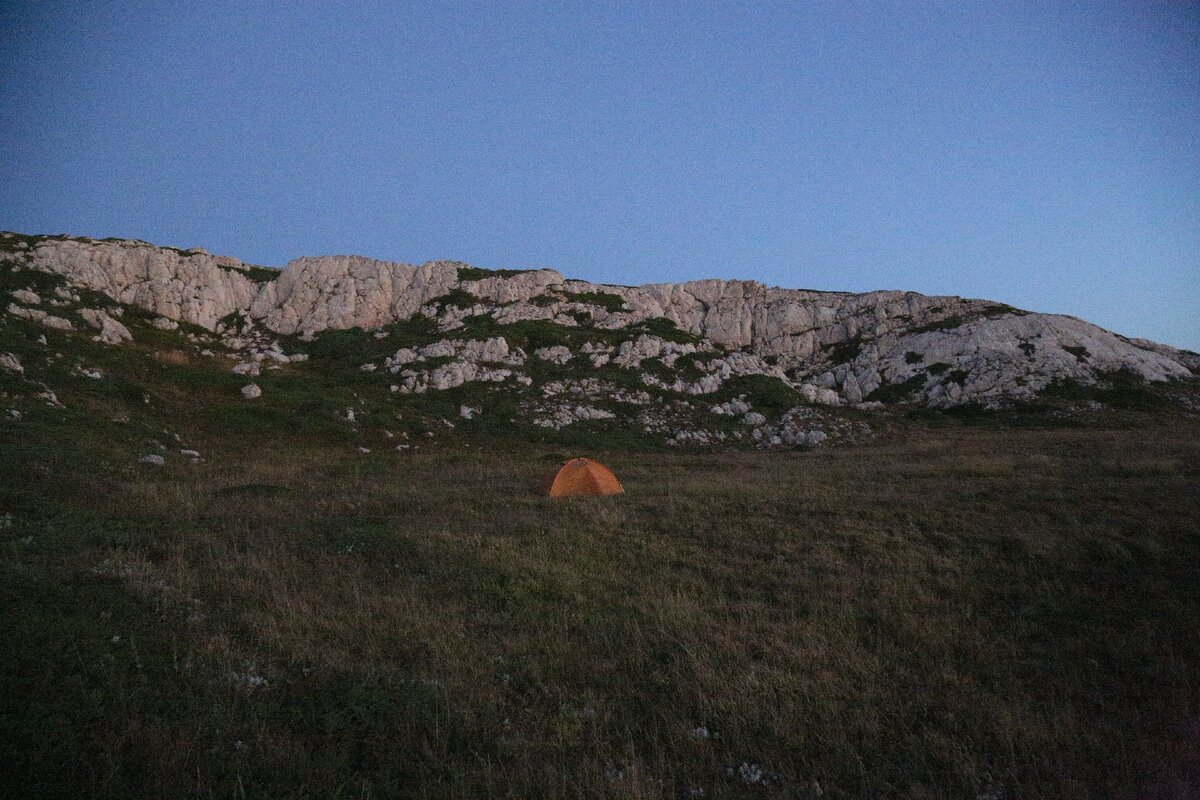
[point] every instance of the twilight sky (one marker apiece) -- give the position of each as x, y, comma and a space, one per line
1045, 155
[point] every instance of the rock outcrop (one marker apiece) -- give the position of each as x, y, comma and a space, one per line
835, 348
188, 286
11, 363
111, 331
313, 294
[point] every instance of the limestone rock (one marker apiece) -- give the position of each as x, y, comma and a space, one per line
820, 395
10, 362
448, 376
57, 323
182, 286
1013, 357
315, 294
35, 314
557, 354
493, 350
523, 286
634, 352
111, 331
834, 348
732, 408
251, 391
560, 416
51, 398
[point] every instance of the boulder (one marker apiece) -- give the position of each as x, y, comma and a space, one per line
732, 408
557, 354
111, 331
35, 314
57, 323
10, 362
493, 350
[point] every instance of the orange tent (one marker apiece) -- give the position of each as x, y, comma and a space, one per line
583, 476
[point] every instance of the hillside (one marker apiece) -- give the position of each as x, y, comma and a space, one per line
702, 362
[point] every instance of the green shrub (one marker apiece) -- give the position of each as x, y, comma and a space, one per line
256, 274
478, 273
666, 329
457, 297
845, 351
889, 393
1120, 389
611, 303
1081, 353
765, 393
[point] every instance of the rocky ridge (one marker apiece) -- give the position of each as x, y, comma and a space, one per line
834, 349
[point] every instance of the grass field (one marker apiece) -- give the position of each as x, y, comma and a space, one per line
952, 611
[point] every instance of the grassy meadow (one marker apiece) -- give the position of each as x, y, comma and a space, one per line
952, 612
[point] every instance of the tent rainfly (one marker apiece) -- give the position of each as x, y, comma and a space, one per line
583, 476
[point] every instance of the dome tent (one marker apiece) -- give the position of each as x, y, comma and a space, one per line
582, 476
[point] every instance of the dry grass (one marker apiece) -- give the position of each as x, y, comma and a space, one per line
964, 611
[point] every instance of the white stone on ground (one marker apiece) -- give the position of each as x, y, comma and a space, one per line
11, 363
111, 331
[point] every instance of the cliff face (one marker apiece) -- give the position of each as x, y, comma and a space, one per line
191, 286
886, 345
314, 294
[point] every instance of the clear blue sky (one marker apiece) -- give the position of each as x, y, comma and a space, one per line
1043, 155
